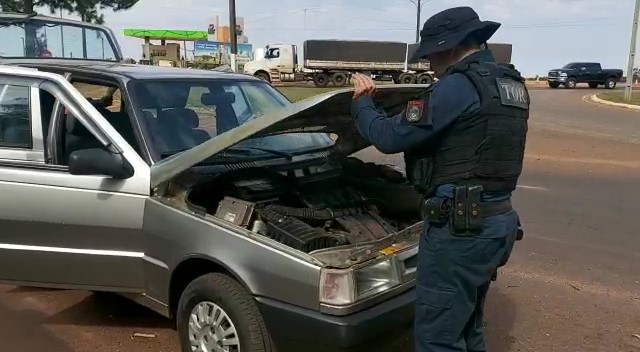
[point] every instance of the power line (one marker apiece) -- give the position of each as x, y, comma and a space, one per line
411, 29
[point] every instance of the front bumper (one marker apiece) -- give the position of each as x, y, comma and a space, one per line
557, 79
298, 329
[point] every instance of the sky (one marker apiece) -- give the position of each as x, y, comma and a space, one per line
545, 34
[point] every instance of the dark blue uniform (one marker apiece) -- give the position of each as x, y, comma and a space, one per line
453, 272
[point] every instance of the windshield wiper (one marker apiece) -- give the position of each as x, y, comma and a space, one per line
289, 156
235, 151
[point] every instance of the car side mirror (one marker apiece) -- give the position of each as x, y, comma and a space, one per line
97, 161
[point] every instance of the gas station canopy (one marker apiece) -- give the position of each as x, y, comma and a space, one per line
166, 34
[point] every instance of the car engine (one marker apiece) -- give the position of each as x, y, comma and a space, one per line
314, 207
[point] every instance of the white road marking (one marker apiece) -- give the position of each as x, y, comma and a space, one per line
537, 188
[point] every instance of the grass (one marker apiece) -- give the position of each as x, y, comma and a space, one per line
618, 97
299, 93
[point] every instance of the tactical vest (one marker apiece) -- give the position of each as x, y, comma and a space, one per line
485, 147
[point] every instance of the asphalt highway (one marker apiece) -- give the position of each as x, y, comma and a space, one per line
572, 284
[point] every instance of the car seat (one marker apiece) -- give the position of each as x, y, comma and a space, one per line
226, 118
178, 129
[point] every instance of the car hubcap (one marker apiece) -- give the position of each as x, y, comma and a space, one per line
211, 330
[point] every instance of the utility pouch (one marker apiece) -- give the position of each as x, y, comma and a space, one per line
419, 173
436, 210
474, 211
459, 220
467, 213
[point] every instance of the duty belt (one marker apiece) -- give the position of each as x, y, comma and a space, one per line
465, 211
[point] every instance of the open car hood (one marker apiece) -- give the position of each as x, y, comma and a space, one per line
327, 113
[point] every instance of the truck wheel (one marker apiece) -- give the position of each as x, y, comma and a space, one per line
570, 83
554, 84
216, 313
407, 78
263, 76
425, 79
610, 83
593, 85
339, 79
321, 79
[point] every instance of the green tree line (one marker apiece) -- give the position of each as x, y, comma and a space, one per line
88, 10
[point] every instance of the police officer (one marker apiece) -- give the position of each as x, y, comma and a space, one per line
463, 141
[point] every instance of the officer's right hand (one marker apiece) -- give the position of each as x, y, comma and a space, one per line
363, 85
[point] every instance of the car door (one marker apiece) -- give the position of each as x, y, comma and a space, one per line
59, 229
595, 72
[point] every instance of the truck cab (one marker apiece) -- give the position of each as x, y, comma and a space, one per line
35, 37
278, 60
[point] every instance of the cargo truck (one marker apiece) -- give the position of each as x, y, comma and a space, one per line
333, 61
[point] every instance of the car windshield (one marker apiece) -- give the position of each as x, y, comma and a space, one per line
181, 114
571, 65
30, 38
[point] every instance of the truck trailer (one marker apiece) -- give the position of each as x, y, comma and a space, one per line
334, 61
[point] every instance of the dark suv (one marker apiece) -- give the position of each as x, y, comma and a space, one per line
584, 72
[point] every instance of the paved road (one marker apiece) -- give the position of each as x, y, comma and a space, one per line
572, 285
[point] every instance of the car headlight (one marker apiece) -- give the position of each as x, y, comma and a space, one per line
344, 287
563, 74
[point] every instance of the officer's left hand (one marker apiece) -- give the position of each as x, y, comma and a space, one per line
363, 85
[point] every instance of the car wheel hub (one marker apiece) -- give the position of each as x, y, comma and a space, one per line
211, 329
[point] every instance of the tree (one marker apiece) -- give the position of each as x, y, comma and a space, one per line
87, 9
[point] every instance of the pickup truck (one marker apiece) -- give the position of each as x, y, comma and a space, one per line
584, 72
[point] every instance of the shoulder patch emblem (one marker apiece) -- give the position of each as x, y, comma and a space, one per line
513, 93
414, 111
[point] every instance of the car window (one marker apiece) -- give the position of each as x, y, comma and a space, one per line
40, 39
107, 100
181, 114
240, 105
15, 117
110, 96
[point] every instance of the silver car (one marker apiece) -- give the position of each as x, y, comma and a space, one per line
208, 197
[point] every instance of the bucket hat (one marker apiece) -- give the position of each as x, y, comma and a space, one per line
446, 29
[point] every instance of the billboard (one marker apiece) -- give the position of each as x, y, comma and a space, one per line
219, 53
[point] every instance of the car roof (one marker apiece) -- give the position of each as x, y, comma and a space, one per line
131, 71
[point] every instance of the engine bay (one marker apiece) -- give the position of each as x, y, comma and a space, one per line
314, 207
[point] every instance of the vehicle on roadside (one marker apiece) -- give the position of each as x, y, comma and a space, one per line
206, 196
334, 61
592, 73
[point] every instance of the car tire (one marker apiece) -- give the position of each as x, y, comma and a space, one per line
321, 79
593, 85
217, 296
263, 76
339, 79
407, 78
570, 83
610, 83
554, 85
425, 78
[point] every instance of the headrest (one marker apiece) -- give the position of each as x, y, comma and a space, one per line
218, 98
75, 127
185, 117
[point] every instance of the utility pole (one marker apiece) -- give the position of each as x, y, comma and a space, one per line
632, 53
418, 4
234, 35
